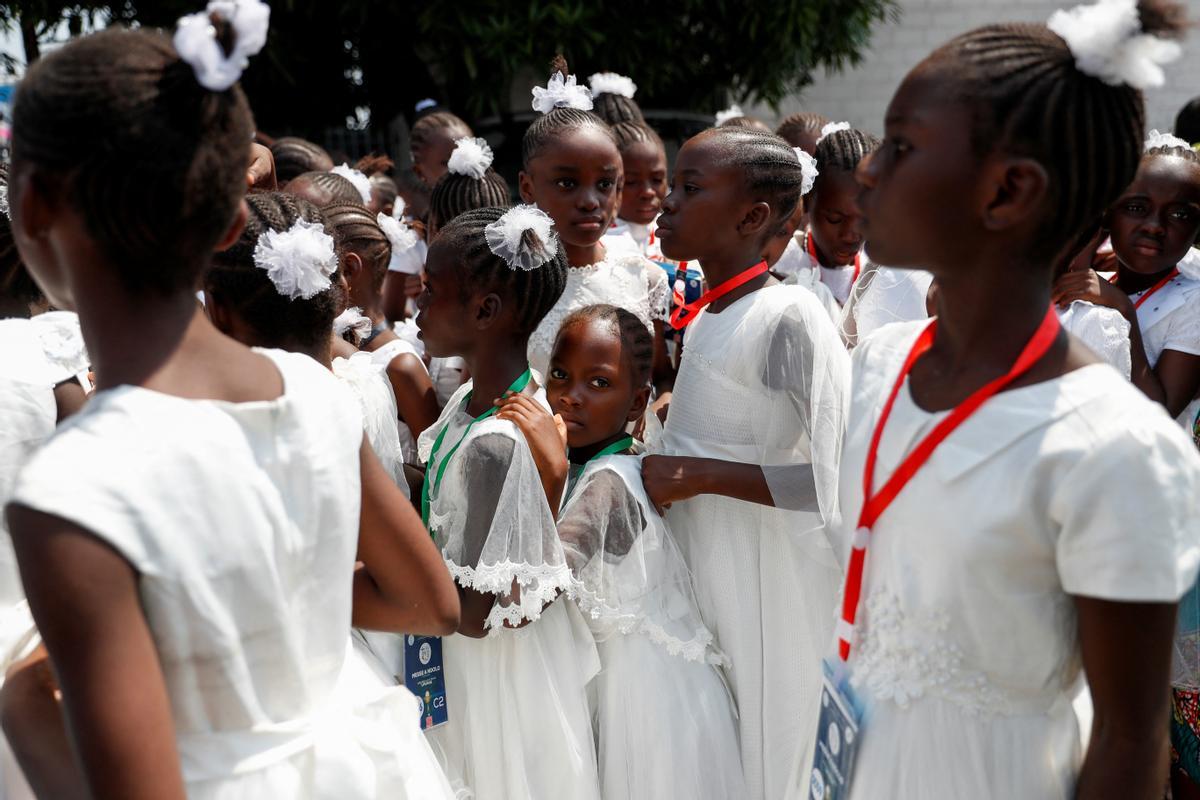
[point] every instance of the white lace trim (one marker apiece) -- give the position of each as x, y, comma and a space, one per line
903, 658
539, 584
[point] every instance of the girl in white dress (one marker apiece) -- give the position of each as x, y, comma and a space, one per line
1156, 288
665, 722
1030, 512
516, 670
572, 171
750, 451
196, 585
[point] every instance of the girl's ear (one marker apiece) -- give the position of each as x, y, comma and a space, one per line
352, 267
755, 221
234, 232
525, 186
641, 399
1014, 189
488, 310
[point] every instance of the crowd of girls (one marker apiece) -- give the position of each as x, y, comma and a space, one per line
805, 464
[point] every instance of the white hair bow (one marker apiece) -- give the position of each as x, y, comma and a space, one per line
299, 261
196, 40
732, 112
1155, 140
1107, 41
808, 170
561, 92
508, 237
471, 157
832, 128
352, 319
359, 179
402, 239
612, 83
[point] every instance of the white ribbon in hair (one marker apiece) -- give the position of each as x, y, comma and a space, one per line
612, 83
352, 319
360, 180
196, 41
808, 170
832, 128
402, 239
4, 209
1155, 140
1107, 41
471, 157
732, 112
398, 206
506, 237
299, 261
561, 93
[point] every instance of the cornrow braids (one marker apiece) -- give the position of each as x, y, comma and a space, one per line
295, 156
16, 284
797, 127
429, 125
748, 123
455, 194
236, 281
328, 188
355, 230
631, 133
616, 108
637, 341
841, 151
556, 123
769, 166
1178, 151
385, 189
154, 163
533, 292
1028, 98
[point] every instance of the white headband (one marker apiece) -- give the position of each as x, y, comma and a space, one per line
612, 83
808, 170
506, 237
732, 112
299, 261
196, 40
361, 182
1107, 41
561, 93
402, 239
832, 128
471, 157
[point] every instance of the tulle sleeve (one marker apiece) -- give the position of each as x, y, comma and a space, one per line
883, 295
492, 521
629, 575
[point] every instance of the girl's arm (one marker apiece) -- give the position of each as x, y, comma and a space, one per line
416, 399
32, 717
547, 438
84, 598
1127, 658
403, 586
669, 479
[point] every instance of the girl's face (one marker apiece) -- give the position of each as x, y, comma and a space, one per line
645, 182
834, 218
576, 179
708, 198
1157, 218
590, 383
443, 307
920, 189
431, 160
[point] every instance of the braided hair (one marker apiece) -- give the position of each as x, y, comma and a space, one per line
1178, 151
1028, 97
748, 123
533, 292
631, 133
552, 125
637, 342
295, 156
454, 194
800, 127
769, 167
16, 283
325, 188
429, 125
616, 108
154, 163
355, 230
841, 151
237, 282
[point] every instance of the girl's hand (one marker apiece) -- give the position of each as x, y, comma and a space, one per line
668, 479
1088, 285
547, 438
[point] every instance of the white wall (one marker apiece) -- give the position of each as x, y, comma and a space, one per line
861, 94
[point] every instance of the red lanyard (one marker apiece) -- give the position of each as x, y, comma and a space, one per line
1172, 275
690, 310
875, 503
812, 252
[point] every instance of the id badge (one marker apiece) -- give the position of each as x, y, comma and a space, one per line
424, 677
837, 734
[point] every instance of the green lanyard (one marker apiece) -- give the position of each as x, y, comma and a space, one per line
433, 478
616, 447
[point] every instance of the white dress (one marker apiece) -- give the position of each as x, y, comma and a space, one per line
622, 279
384, 356
765, 381
242, 522
966, 647
797, 268
1104, 330
518, 724
642, 239
666, 726
1170, 320
377, 403
883, 295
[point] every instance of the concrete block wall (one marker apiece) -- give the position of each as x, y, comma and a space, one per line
860, 94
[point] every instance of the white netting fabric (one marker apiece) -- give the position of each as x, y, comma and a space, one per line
369, 383
630, 576
883, 295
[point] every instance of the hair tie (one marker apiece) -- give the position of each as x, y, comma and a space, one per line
360, 180
808, 170
1154, 140
831, 128
733, 112
196, 40
299, 261
398, 206
561, 92
402, 239
352, 319
612, 83
471, 157
1107, 42
524, 237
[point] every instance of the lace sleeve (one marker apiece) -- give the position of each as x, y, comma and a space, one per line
658, 292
